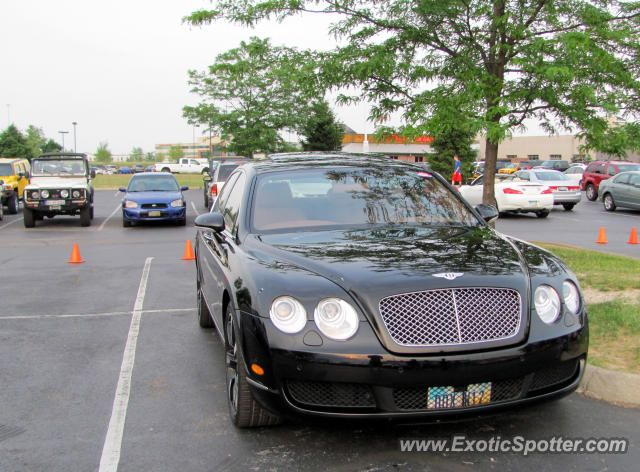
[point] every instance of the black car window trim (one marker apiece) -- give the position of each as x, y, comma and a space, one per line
231, 220
222, 197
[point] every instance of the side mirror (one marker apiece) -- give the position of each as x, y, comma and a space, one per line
122, 189
488, 213
93, 174
206, 177
22, 174
213, 221
184, 187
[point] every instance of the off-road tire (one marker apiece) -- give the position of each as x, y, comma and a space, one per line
85, 216
28, 217
12, 205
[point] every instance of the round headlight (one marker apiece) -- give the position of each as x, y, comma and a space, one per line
76, 194
177, 203
130, 204
44, 193
571, 296
547, 302
35, 195
336, 319
64, 193
288, 315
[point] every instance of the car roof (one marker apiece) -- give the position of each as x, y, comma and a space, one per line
8, 160
156, 174
58, 155
300, 160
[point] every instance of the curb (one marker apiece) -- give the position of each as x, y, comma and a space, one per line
619, 388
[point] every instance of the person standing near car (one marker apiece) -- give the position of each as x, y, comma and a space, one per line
456, 178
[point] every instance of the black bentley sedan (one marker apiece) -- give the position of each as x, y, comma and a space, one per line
356, 286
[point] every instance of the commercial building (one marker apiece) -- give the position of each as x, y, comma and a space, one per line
200, 148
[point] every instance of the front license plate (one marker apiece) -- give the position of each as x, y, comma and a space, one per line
54, 202
155, 213
447, 398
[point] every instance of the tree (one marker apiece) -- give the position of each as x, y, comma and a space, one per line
14, 144
136, 155
176, 152
251, 94
102, 153
35, 140
321, 131
566, 63
51, 146
454, 141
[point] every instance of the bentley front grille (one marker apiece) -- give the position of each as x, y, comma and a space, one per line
452, 316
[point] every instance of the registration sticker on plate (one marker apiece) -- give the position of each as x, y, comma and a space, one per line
155, 213
447, 397
54, 202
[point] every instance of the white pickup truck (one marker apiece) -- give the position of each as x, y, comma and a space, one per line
185, 165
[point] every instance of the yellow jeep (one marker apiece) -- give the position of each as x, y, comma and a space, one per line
15, 174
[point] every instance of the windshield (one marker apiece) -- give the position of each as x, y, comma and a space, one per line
548, 176
5, 169
153, 183
353, 197
64, 167
628, 167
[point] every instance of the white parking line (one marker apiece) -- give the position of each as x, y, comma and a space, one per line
113, 442
108, 218
90, 315
10, 223
193, 205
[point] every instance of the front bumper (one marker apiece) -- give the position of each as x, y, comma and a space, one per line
151, 214
320, 382
69, 207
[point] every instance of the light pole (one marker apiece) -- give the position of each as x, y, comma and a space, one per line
74, 123
62, 133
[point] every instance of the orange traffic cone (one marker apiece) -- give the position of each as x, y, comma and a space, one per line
633, 239
75, 256
602, 237
188, 252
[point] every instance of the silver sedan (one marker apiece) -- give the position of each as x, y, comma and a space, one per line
566, 192
623, 190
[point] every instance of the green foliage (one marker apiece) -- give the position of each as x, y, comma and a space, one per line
103, 154
35, 140
136, 155
565, 63
14, 144
252, 93
176, 152
321, 131
51, 146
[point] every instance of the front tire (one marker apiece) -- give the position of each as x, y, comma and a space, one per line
85, 216
609, 204
29, 218
245, 412
591, 192
12, 205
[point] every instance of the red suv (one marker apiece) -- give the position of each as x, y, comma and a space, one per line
598, 171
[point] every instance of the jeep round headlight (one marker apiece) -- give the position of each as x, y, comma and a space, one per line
571, 296
177, 203
130, 204
35, 195
288, 315
547, 303
76, 194
64, 193
336, 319
44, 193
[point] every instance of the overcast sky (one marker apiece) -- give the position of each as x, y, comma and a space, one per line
119, 68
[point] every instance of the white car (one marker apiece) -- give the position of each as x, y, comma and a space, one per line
513, 197
575, 172
565, 191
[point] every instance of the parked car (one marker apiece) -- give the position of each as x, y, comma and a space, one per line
223, 170
152, 196
60, 184
185, 165
513, 196
510, 169
99, 169
554, 165
565, 191
623, 190
528, 164
137, 168
3, 190
111, 168
349, 286
575, 172
598, 171
124, 170
15, 175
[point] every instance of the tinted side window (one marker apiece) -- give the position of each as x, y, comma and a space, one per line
611, 170
232, 205
599, 169
224, 194
622, 179
634, 179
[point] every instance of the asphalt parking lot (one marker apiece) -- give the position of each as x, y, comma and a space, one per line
69, 347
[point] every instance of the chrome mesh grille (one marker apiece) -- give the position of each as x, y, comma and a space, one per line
452, 316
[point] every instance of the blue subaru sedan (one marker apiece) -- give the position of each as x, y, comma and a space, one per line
153, 196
